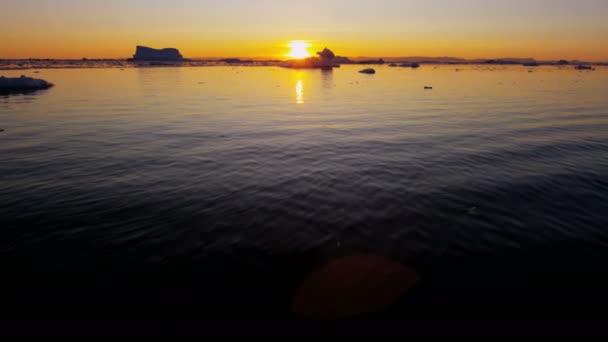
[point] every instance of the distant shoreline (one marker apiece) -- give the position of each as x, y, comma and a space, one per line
32, 64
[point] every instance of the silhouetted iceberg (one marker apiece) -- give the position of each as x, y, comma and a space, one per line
413, 65
16, 84
326, 56
584, 67
368, 71
324, 61
144, 53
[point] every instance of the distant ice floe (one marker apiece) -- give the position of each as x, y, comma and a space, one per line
368, 71
23, 83
410, 65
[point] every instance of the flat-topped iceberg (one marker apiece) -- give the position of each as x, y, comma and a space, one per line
15, 84
144, 53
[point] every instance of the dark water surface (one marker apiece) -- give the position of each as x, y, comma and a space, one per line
492, 170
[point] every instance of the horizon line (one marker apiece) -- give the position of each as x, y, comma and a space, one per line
284, 58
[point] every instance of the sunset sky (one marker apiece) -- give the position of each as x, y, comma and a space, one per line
544, 29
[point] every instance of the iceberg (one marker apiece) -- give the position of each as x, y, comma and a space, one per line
324, 61
144, 53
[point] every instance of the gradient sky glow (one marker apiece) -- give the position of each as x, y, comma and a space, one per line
545, 29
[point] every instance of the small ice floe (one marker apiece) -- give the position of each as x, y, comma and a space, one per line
428, 88
583, 67
368, 71
16, 84
410, 65
392, 65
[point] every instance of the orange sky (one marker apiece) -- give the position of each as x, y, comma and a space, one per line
544, 29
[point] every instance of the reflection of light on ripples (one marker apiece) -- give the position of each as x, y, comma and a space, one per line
505, 161
299, 92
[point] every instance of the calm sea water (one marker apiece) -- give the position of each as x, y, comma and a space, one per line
172, 165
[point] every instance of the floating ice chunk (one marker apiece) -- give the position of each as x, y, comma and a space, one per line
11, 84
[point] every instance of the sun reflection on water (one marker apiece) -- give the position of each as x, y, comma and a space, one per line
299, 92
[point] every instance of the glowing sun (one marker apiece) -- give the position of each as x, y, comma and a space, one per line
299, 49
